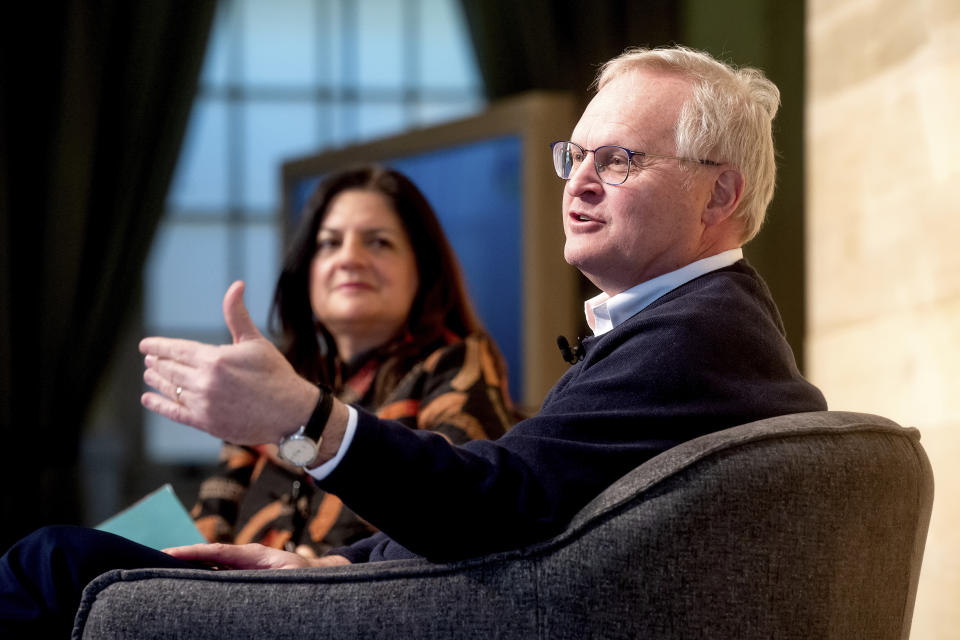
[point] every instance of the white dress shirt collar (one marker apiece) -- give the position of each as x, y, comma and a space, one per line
606, 312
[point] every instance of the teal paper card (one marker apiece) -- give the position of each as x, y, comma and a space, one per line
157, 520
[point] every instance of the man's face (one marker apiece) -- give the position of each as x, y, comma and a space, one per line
620, 236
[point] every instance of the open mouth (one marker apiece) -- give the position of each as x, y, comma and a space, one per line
580, 217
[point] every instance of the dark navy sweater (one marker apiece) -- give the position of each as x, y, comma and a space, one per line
707, 356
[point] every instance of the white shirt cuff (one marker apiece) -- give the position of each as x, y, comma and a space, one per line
325, 469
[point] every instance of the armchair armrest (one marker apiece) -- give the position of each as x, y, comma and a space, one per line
492, 597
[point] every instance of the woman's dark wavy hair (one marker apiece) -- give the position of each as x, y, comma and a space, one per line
441, 304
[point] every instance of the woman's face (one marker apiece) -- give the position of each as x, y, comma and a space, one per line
363, 277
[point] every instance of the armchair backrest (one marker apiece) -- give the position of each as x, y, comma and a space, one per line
808, 526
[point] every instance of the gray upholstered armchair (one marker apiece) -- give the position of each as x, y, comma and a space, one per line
802, 526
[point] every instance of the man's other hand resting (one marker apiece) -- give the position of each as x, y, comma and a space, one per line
250, 556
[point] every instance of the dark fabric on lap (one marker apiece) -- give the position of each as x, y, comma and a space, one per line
43, 575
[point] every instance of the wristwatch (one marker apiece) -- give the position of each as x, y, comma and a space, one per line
301, 446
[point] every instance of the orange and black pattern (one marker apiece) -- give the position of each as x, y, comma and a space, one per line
456, 391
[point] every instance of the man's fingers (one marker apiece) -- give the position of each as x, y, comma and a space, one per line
173, 388
168, 408
160, 372
237, 317
207, 552
246, 556
170, 348
329, 561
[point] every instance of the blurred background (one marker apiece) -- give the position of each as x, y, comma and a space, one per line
142, 153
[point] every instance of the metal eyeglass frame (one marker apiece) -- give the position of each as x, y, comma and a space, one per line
630, 155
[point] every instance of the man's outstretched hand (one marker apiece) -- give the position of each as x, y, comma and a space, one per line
245, 392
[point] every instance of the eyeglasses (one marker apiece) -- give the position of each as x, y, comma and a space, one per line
611, 161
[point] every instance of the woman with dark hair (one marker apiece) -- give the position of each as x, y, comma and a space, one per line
370, 303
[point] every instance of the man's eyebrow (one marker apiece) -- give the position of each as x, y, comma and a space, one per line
639, 147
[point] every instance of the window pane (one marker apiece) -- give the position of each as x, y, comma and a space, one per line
435, 112
278, 42
186, 277
376, 120
200, 181
380, 55
344, 118
446, 52
274, 132
168, 442
325, 115
216, 63
261, 268
329, 43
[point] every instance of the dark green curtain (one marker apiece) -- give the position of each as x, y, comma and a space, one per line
95, 100
558, 44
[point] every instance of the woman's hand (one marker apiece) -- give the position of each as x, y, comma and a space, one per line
250, 556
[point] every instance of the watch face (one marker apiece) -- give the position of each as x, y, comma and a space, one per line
298, 450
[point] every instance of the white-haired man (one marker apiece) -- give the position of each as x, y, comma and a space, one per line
669, 171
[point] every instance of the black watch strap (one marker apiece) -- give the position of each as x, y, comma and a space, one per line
321, 413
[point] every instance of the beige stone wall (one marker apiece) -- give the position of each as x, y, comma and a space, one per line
883, 241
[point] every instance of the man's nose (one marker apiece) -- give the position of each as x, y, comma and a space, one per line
584, 178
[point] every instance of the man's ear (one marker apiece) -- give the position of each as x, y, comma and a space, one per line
726, 194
